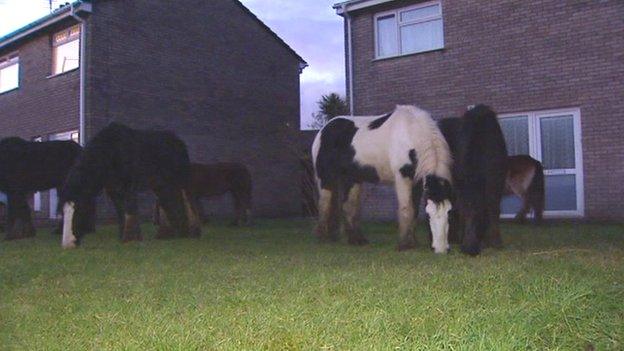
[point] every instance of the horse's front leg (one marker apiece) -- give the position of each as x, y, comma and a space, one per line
407, 239
131, 229
493, 235
351, 209
327, 229
192, 216
174, 213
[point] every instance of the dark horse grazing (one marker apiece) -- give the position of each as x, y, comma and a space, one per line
478, 147
404, 148
216, 179
525, 178
125, 161
27, 167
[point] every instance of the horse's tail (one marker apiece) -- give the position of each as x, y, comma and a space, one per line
536, 191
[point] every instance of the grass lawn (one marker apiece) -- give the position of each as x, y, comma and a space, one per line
272, 287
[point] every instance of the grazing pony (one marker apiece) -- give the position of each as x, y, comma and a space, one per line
404, 147
126, 161
27, 167
525, 178
216, 179
478, 147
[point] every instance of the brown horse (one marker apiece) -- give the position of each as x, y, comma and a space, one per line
525, 179
212, 180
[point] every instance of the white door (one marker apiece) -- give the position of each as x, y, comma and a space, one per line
554, 138
71, 135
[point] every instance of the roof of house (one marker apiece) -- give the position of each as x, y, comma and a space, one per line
85, 5
352, 5
45, 21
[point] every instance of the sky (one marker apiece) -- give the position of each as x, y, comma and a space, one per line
311, 27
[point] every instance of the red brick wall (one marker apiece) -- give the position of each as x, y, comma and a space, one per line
211, 73
516, 56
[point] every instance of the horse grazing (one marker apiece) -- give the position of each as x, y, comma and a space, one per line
126, 161
27, 167
478, 147
525, 179
405, 148
216, 179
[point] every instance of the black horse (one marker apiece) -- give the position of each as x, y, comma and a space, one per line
479, 171
27, 167
124, 162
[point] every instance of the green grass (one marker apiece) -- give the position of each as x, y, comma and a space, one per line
272, 287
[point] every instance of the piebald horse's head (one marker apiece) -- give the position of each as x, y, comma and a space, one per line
438, 192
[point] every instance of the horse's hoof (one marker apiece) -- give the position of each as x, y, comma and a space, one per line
471, 250
358, 241
406, 246
69, 246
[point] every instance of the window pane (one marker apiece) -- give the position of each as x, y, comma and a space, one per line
422, 37
510, 205
9, 78
561, 193
557, 142
420, 13
387, 36
516, 131
67, 56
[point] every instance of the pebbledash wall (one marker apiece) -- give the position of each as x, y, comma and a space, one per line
208, 70
517, 56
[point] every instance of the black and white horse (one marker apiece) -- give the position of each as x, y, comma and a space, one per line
126, 161
27, 167
404, 148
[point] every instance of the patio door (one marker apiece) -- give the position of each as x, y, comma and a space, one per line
71, 135
554, 138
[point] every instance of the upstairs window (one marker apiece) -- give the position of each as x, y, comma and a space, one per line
66, 50
9, 72
409, 30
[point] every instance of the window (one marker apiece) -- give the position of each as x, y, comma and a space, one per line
66, 50
37, 196
9, 72
53, 196
409, 30
554, 138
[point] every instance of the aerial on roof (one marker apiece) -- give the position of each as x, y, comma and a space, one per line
55, 16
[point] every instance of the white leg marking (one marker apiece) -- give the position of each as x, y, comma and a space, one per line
69, 240
438, 220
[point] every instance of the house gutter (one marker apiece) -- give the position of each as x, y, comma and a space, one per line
83, 53
347, 18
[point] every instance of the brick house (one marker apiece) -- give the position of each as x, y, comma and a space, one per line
209, 70
553, 70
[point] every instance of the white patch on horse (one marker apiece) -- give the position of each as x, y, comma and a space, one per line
438, 219
69, 240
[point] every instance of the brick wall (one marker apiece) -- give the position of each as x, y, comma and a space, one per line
208, 71
516, 56
42, 105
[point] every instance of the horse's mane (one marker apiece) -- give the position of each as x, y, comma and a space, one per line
434, 156
476, 139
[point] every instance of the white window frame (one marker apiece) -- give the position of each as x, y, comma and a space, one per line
53, 196
37, 195
535, 151
397, 16
8, 61
56, 43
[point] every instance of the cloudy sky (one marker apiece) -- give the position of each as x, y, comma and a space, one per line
311, 27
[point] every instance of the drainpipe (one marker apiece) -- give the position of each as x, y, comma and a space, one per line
83, 42
347, 17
